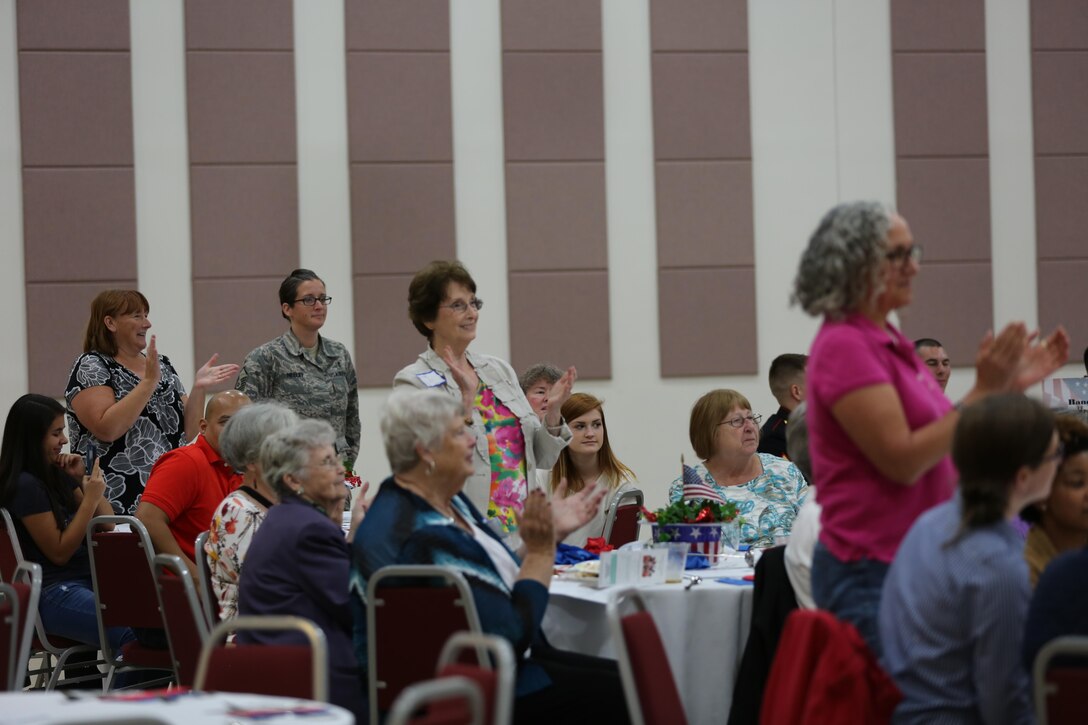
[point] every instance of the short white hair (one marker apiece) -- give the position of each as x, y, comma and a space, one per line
287, 452
240, 442
411, 416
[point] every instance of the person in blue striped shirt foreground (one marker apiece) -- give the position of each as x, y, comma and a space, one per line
956, 596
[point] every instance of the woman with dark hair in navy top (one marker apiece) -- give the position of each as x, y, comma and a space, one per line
51, 502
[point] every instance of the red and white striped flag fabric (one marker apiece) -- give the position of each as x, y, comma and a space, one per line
695, 487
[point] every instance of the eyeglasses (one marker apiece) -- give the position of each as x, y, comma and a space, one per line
740, 420
310, 300
328, 462
460, 307
901, 255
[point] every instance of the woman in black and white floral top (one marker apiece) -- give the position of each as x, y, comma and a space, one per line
128, 407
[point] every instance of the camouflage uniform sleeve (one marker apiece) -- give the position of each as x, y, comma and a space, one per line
353, 428
255, 376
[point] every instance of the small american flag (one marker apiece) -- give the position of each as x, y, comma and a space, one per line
695, 487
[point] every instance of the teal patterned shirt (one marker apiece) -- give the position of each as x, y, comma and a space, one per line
768, 504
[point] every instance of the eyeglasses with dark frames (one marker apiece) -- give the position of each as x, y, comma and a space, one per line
310, 300
740, 420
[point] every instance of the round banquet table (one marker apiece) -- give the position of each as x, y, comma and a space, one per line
704, 630
160, 706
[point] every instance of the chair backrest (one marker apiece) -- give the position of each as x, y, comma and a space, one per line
11, 553
20, 606
186, 622
648, 684
813, 643
123, 576
1059, 690
396, 596
494, 677
452, 701
621, 521
11, 558
286, 670
204, 573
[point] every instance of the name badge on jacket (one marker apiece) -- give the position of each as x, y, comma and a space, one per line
431, 379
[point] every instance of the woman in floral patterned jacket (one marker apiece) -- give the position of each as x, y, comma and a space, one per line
241, 513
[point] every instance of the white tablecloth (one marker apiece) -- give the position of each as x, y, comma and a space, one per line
704, 630
39, 708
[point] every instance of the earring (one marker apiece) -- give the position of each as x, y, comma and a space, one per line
430, 467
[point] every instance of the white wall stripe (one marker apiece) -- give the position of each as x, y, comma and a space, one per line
161, 167
794, 140
478, 162
324, 197
1012, 161
14, 371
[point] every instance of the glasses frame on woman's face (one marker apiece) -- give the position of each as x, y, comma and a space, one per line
735, 435
325, 483
455, 321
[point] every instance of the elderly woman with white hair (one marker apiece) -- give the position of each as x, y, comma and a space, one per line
879, 425
298, 562
422, 516
242, 511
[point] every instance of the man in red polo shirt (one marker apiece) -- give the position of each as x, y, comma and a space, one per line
187, 484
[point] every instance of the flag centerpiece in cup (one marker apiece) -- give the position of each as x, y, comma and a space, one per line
698, 522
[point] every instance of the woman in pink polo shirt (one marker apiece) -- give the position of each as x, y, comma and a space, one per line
880, 427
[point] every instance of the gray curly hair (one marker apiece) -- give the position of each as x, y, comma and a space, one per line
287, 451
840, 269
414, 416
240, 443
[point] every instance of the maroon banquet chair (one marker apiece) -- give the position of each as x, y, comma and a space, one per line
1059, 687
17, 608
207, 596
648, 684
125, 595
55, 652
454, 700
494, 671
621, 521
264, 669
186, 622
396, 597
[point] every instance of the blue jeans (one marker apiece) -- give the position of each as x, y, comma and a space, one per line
67, 610
851, 591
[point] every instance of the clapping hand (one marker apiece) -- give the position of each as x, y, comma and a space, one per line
152, 370
211, 375
571, 513
558, 395
535, 524
1040, 360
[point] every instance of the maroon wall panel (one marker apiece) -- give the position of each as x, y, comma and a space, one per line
943, 167
556, 226
240, 77
400, 136
703, 175
79, 207
1059, 39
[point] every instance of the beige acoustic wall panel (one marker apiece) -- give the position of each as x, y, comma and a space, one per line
556, 230
943, 167
703, 179
1059, 38
79, 212
400, 138
240, 78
